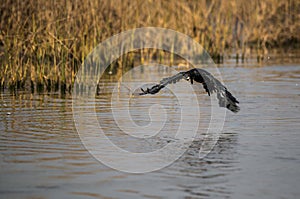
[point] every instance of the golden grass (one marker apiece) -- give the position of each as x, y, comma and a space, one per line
44, 42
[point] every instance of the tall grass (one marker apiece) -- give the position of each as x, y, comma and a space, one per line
43, 43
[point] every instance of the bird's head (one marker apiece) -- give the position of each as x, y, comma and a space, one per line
186, 77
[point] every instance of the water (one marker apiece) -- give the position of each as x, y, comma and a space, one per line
257, 155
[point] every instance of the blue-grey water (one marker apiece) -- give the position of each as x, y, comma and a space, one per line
256, 156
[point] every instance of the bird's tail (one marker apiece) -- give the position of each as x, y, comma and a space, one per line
227, 100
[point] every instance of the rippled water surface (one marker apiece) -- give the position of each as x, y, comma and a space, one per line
257, 155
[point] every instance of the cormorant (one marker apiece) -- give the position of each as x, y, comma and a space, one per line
209, 82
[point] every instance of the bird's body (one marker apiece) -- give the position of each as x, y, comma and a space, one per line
209, 82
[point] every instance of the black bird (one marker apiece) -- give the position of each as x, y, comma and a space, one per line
209, 82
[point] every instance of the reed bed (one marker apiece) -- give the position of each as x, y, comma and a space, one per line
43, 43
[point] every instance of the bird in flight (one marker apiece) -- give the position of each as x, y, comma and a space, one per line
209, 82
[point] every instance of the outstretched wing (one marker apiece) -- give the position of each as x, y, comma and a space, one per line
169, 80
213, 85
209, 82
173, 79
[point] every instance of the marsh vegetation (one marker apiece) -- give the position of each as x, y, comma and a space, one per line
43, 43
